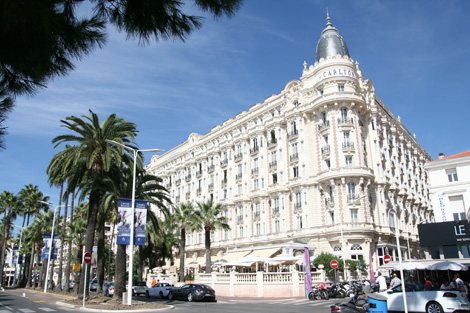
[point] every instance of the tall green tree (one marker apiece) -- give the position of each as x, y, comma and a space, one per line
211, 219
10, 205
90, 137
41, 38
186, 218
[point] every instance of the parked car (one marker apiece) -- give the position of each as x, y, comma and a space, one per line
139, 288
71, 284
160, 290
93, 285
429, 301
193, 292
108, 289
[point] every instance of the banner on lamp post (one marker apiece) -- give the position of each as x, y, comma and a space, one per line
308, 273
124, 221
14, 257
55, 246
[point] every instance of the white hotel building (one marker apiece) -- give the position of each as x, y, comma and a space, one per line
321, 165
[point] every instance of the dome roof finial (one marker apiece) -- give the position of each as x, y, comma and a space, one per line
331, 43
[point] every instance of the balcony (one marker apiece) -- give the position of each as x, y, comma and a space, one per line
210, 168
224, 182
210, 187
238, 157
187, 178
256, 215
178, 182
273, 165
199, 174
344, 121
199, 191
276, 212
293, 134
240, 218
188, 195
168, 186
272, 143
177, 199
329, 202
297, 207
294, 157
238, 176
353, 197
254, 150
224, 163
323, 126
255, 171
348, 146
325, 150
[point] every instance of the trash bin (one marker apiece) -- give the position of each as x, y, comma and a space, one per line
377, 303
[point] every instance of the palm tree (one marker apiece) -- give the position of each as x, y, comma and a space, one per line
98, 155
9, 205
211, 219
33, 200
186, 218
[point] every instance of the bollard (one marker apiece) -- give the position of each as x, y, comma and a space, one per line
124, 297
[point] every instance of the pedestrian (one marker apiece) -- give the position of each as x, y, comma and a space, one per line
427, 283
395, 281
382, 282
154, 282
445, 285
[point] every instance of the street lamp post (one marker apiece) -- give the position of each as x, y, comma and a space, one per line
400, 259
131, 244
50, 242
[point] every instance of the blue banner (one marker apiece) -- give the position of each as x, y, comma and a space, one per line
55, 246
14, 257
124, 221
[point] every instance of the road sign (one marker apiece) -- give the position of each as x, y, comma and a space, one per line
334, 264
87, 257
387, 258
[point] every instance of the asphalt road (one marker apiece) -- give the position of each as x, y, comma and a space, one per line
32, 302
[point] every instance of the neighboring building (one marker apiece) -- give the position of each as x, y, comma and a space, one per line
320, 164
449, 179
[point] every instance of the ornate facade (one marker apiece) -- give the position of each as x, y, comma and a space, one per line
321, 164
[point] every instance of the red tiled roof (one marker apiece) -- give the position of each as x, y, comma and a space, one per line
458, 155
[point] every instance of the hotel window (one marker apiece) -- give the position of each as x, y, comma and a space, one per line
258, 229
348, 161
274, 178
452, 175
277, 227
299, 222
457, 208
351, 188
340, 88
323, 117
354, 217
346, 137
356, 251
332, 217
344, 113
295, 171
240, 231
298, 197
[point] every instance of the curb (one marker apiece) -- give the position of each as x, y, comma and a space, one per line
73, 306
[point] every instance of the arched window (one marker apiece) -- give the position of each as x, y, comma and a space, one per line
356, 251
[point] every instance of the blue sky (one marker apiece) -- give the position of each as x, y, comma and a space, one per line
417, 54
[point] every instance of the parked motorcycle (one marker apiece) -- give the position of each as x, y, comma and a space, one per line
336, 291
319, 292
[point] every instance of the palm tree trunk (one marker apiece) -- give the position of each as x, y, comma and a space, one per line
26, 279
29, 272
120, 274
110, 251
140, 267
94, 205
208, 250
100, 265
69, 252
182, 254
76, 288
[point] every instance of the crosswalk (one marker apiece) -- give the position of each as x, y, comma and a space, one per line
5, 309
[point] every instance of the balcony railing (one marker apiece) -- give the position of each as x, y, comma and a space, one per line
293, 133
256, 215
188, 195
224, 182
211, 187
238, 157
325, 149
187, 178
199, 173
348, 145
211, 168
273, 164
254, 150
297, 207
224, 163
255, 171
178, 182
294, 157
238, 176
345, 121
324, 125
353, 197
272, 142
199, 191
329, 202
240, 218
276, 212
